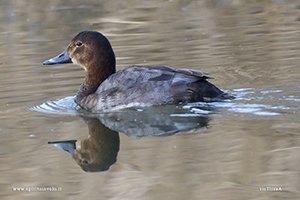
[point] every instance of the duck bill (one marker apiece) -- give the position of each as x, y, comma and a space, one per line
61, 58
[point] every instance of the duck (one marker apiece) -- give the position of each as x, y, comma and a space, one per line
105, 90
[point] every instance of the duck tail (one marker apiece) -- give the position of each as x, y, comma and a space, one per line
207, 92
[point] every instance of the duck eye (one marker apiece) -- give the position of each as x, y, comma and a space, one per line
85, 162
78, 43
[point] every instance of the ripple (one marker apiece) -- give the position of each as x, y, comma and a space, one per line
67, 106
64, 106
253, 101
263, 101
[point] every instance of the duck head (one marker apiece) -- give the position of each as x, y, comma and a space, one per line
92, 51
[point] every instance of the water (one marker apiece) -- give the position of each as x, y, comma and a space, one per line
244, 148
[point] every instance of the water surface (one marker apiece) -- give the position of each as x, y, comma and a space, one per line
239, 149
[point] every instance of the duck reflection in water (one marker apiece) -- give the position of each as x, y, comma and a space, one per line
99, 150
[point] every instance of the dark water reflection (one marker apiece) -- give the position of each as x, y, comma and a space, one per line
250, 143
98, 151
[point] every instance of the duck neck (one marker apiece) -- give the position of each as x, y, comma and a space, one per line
93, 78
100, 68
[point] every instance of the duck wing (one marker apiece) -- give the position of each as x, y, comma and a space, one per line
140, 86
134, 76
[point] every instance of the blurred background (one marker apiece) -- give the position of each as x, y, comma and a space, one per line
249, 145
